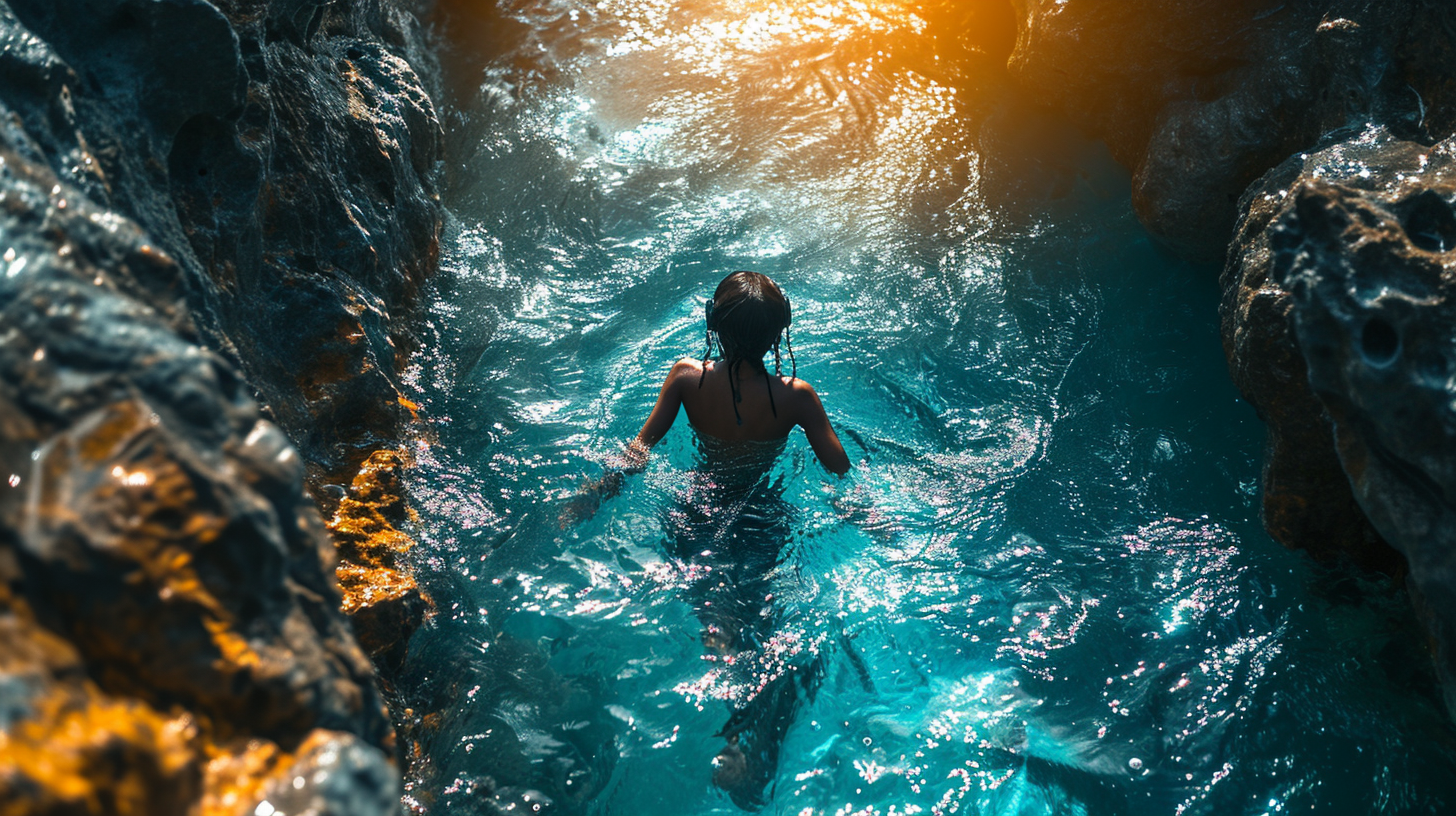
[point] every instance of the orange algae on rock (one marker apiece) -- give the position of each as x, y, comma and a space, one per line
379, 594
181, 583
69, 747
80, 752
235, 780
66, 747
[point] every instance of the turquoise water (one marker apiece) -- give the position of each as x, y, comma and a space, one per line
1043, 589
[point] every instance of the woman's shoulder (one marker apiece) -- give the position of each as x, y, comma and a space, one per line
801, 393
686, 365
798, 385
684, 369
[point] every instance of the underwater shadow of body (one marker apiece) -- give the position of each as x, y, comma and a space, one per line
729, 531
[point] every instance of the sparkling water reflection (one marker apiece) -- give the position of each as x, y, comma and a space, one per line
1042, 590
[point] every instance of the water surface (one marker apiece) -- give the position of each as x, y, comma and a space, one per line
1043, 589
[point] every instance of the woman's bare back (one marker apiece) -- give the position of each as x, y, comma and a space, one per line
703, 390
765, 415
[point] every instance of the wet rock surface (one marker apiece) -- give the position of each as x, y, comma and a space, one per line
380, 594
1365, 248
215, 220
1199, 98
285, 165
1307, 499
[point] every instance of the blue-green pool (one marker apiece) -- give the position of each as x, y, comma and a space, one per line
1043, 589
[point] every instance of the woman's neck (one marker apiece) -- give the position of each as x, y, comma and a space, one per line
754, 363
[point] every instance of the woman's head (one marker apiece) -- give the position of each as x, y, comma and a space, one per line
749, 315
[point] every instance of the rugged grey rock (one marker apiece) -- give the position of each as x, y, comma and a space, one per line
1366, 248
282, 153
214, 220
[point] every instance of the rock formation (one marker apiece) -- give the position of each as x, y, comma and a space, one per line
215, 218
1307, 500
1365, 246
1199, 98
1302, 132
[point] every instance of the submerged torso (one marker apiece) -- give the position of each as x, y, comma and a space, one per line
730, 511
740, 458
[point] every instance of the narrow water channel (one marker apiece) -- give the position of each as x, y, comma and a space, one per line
1043, 588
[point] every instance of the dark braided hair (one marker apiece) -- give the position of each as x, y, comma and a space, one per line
750, 317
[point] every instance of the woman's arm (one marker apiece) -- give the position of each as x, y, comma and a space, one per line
822, 438
584, 504
664, 413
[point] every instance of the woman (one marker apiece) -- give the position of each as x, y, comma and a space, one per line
732, 520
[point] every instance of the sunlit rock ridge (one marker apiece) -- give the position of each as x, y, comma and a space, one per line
1310, 139
214, 218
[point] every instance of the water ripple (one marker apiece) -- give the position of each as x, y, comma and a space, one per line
1042, 589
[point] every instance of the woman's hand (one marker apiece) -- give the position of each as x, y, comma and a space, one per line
593, 492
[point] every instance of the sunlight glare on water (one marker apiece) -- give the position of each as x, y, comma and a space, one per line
1043, 589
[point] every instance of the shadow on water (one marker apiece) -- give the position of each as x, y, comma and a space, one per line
1043, 590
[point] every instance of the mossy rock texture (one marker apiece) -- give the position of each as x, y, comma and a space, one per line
215, 219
